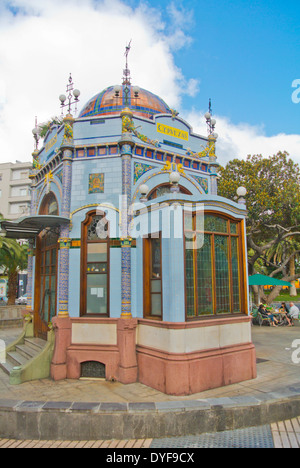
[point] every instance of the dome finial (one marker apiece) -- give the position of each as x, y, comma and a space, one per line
126, 72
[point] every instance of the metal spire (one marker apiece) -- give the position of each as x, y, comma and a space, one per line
126, 72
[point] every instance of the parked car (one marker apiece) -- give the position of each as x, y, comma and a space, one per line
22, 300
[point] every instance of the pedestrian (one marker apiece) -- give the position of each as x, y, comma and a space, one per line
294, 311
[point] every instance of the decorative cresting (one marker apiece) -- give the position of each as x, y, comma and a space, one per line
128, 126
64, 240
126, 145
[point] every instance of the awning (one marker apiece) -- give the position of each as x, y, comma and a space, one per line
262, 280
30, 226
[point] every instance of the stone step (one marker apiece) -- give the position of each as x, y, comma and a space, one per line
16, 358
7, 367
23, 354
35, 343
27, 351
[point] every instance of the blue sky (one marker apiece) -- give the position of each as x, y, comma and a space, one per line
242, 54
246, 55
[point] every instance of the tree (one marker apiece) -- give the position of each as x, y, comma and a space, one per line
273, 203
13, 259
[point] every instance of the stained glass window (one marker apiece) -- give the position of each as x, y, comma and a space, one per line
212, 265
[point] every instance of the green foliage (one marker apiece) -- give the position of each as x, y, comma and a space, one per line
273, 195
13, 259
273, 204
44, 127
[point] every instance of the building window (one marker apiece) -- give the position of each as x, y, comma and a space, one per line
213, 265
152, 278
49, 205
95, 265
164, 189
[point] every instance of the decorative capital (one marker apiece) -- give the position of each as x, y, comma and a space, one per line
64, 242
126, 241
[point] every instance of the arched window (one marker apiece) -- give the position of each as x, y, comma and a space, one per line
49, 205
163, 189
95, 265
213, 265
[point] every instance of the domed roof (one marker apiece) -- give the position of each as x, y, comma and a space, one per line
143, 103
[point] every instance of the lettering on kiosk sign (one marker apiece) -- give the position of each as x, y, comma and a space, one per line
172, 131
50, 143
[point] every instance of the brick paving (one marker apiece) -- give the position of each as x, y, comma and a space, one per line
286, 434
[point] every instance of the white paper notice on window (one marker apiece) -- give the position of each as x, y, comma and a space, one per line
100, 292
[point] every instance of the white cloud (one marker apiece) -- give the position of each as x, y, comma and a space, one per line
42, 42
237, 141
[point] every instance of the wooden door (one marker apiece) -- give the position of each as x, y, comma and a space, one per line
46, 282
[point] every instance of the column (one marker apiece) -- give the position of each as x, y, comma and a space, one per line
64, 240
126, 155
30, 275
62, 323
126, 329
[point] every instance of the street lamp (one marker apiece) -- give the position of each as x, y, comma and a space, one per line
144, 189
174, 180
241, 193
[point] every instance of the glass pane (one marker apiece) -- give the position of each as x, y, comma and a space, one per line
233, 228
200, 221
188, 222
96, 294
235, 275
222, 275
52, 296
215, 224
156, 258
45, 313
97, 252
48, 253
98, 229
156, 286
204, 278
189, 275
156, 304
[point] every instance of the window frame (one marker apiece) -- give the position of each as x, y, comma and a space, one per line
241, 269
147, 268
83, 276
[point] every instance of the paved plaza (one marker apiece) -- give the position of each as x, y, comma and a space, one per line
277, 371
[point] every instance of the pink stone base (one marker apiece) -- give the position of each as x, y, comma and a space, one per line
170, 373
107, 355
185, 374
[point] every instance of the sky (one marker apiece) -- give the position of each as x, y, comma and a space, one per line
242, 54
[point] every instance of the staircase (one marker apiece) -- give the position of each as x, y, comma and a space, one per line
23, 353
28, 359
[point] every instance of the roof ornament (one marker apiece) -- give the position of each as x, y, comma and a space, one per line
126, 71
70, 95
211, 123
36, 136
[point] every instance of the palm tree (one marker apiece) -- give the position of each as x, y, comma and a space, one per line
13, 259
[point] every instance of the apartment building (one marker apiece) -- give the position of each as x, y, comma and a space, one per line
15, 187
